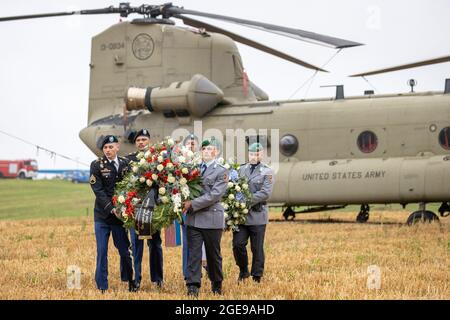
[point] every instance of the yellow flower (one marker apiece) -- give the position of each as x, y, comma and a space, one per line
154, 177
230, 184
160, 167
142, 179
183, 181
149, 182
162, 190
184, 171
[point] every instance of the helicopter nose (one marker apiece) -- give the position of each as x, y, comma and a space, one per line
90, 137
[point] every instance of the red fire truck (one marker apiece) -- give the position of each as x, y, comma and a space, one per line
22, 169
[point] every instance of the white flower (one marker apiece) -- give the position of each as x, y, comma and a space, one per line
147, 154
225, 206
183, 181
142, 161
245, 211
171, 179
185, 171
169, 165
160, 159
185, 191
160, 167
170, 142
238, 188
227, 166
162, 190
154, 177
231, 197
142, 179
242, 205
237, 204
225, 215
245, 186
189, 154
149, 182
230, 184
121, 199
164, 199
229, 222
220, 160
181, 159
124, 214
135, 169
235, 215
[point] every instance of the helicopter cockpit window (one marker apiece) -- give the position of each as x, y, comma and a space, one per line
288, 145
367, 141
444, 138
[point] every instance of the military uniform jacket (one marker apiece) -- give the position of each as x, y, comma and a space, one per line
104, 177
260, 185
132, 156
207, 210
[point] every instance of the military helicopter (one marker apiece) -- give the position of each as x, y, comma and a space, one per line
363, 150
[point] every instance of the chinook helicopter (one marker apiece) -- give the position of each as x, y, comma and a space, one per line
362, 150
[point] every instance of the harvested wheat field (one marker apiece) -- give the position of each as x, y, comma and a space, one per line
317, 257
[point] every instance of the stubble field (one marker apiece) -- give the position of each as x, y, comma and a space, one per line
320, 256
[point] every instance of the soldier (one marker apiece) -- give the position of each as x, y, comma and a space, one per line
205, 221
105, 172
261, 180
190, 142
142, 142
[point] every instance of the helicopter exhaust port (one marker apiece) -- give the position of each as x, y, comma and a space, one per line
196, 96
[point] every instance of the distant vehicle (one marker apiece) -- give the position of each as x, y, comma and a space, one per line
22, 169
80, 177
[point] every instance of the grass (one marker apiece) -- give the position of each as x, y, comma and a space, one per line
319, 256
25, 199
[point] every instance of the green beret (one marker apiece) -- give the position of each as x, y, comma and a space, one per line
255, 147
211, 142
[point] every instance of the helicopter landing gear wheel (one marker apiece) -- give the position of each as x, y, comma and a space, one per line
289, 213
421, 216
363, 214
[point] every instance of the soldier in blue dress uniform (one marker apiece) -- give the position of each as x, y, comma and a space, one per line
105, 173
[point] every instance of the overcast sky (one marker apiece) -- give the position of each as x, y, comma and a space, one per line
44, 73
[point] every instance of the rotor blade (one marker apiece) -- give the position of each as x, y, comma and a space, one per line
284, 31
404, 66
121, 10
246, 41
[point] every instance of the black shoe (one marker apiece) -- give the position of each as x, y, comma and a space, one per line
216, 287
159, 284
102, 291
257, 279
132, 286
192, 291
243, 275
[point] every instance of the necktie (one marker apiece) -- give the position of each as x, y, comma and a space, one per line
252, 168
203, 168
116, 165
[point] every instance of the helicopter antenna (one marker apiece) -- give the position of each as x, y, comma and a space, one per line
313, 75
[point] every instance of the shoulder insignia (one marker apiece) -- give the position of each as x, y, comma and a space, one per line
92, 180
